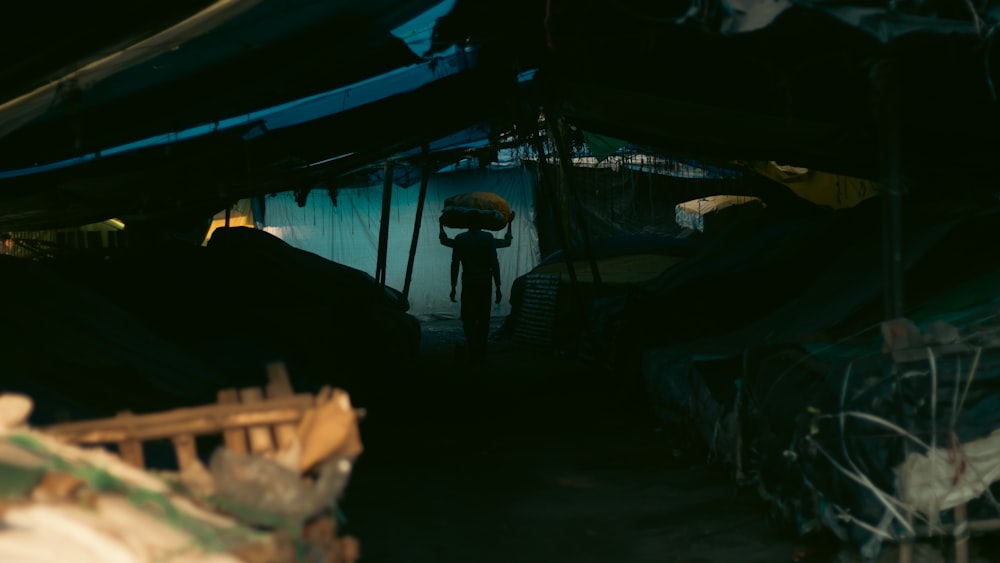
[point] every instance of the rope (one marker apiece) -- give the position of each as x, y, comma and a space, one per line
968, 383
887, 500
881, 422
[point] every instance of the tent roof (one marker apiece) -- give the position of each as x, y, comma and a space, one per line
789, 81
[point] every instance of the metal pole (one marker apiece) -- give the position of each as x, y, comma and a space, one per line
424, 178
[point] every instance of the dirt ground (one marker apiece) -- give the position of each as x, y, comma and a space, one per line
539, 458
536, 458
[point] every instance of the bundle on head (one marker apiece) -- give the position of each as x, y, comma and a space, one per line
484, 210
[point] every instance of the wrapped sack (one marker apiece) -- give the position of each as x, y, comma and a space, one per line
476, 209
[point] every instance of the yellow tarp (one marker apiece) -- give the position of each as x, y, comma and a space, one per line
821, 188
240, 215
632, 269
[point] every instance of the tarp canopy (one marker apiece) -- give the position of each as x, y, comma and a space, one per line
345, 228
214, 101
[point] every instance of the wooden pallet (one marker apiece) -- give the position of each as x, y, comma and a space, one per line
250, 420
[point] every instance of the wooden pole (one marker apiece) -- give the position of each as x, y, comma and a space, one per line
279, 385
887, 95
197, 421
424, 179
131, 451
260, 437
383, 235
560, 133
234, 438
561, 232
884, 83
961, 534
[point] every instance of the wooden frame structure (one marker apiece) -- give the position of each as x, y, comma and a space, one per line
250, 420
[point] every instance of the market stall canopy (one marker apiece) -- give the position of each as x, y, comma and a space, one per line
108, 109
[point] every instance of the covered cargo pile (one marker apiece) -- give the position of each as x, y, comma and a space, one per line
62, 502
64, 337
248, 298
875, 438
482, 210
712, 213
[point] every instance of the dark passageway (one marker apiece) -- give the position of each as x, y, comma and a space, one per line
538, 459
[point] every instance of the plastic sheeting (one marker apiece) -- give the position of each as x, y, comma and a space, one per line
347, 232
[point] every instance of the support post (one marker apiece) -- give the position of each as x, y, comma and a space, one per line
383, 234
961, 533
424, 179
885, 86
559, 219
560, 133
887, 94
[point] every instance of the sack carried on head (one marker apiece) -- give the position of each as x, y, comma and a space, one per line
484, 210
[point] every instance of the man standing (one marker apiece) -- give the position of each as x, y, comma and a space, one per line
474, 252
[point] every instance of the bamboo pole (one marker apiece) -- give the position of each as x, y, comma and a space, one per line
186, 450
383, 232
961, 534
280, 386
131, 450
567, 189
236, 438
561, 231
259, 435
424, 179
888, 96
208, 419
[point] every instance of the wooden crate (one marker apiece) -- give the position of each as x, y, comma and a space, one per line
250, 420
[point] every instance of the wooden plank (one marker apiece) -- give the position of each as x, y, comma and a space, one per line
186, 450
279, 386
258, 434
130, 450
197, 421
277, 380
323, 395
961, 533
235, 438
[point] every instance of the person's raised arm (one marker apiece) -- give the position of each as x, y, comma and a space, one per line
496, 276
443, 237
454, 273
507, 238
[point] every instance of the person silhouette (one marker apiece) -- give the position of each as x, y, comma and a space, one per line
474, 252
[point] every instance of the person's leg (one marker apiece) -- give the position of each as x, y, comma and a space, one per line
480, 336
476, 306
468, 329
484, 327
